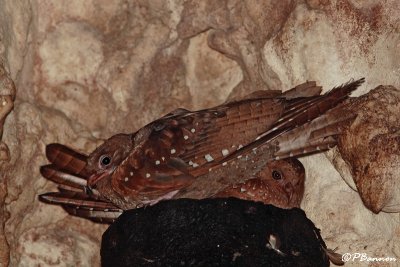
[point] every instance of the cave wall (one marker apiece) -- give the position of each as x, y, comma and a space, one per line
85, 70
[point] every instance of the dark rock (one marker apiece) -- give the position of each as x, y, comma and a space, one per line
213, 232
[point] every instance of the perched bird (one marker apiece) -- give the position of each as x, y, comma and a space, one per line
280, 183
198, 154
214, 232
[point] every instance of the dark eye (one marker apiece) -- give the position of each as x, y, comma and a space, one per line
105, 160
276, 175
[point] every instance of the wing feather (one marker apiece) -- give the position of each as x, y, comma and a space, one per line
172, 151
178, 145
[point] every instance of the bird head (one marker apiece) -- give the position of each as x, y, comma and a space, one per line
103, 161
289, 175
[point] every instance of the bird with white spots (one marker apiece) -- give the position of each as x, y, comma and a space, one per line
280, 183
198, 154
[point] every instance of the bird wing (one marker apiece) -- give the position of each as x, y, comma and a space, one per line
170, 152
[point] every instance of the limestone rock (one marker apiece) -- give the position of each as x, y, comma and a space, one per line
371, 148
85, 70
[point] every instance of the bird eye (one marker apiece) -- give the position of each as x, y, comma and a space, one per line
105, 160
276, 175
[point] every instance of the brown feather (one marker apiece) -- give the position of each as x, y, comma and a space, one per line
60, 176
77, 199
196, 154
66, 158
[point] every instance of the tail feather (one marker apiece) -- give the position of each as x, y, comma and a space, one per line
76, 199
67, 159
313, 147
91, 193
81, 204
68, 171
295, 109
292, 131
312, 108
307, 89
315, 136
59, 176
99, 216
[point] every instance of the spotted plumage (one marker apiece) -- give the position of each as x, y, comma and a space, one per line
280, 183
196, 154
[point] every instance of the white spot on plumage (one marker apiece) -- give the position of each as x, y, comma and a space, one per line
208, 157
225, 152
190, 163
148, 175
195, 165
250, 194
105, 210
224, 164
239, 156
318, 148
291, 154
126, 179
239, 147
163, 158
158, 162
131, 173
186, 137
242, 190
277, 157
193, 130
173, 151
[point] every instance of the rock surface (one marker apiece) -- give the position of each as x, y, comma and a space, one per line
85, 70
371, 148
